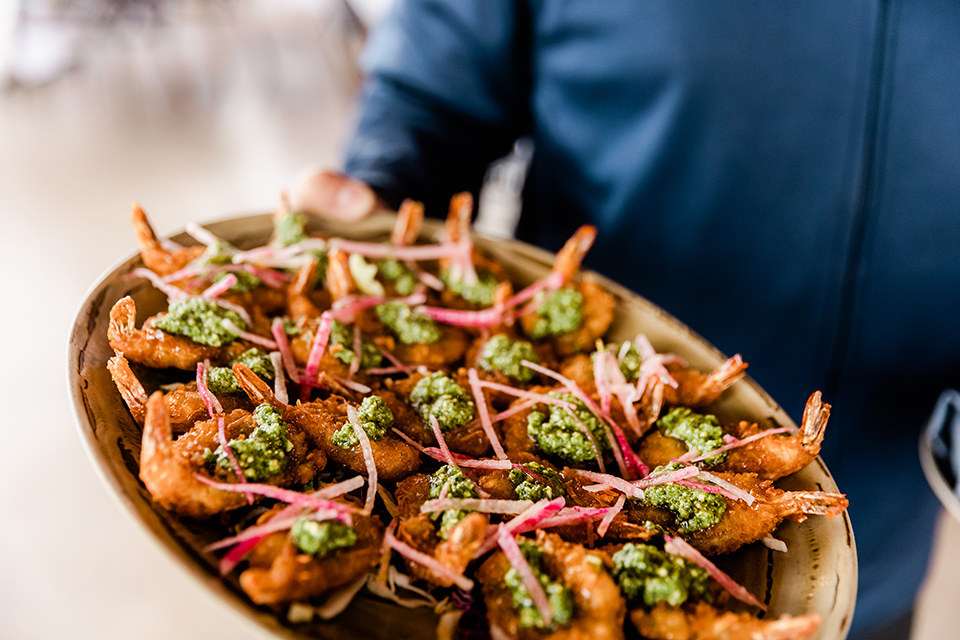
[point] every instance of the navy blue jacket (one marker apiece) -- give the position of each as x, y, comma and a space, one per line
782, 176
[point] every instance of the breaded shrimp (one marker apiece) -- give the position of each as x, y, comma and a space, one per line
695, 389
153, 347
705, 622
158, 259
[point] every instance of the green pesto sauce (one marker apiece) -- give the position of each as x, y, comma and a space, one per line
290, 228
458, 486
342, 335
264, 452
409, 327
220, 252
646, 573
375, 418
694, 509
481, 292
529, 489
200, 320
503, 354
290, 327
560, 597
221, 379
561, 313
630, 365
320, 538
439, 396
561, 437
700, 431
402, 277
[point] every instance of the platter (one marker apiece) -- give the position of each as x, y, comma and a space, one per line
818, 574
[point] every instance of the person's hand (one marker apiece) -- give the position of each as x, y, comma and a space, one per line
333, 195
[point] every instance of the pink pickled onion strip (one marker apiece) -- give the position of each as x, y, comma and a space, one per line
503, 415
170, 290
729, 439
279, 380
551, 282
572, 516
737, 492
598, 454
680, 547
608, 519
316, 354
410, 441
431, 564
709, 488
526, 521
440, 441
235, 555
773, 543
430, 280
409, 252
352, 385
385, 371
218, 288
485, 414
357, 353
277, 493
613, 482
367, 458
283, 345
484, 318
200, 234
665, 478
215, 409
688, 457
512, 507
272, 525
393, 359
213, 404
271, 278
529, 395
739, 443
512, 550
246, 335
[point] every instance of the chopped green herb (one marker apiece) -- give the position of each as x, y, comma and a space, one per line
290, 228
700, 431
458, 486
375, 418
560, 597
365, 275
340, 334
560, 436
409, 327
439, 396
503, 354
481, 292
320, 538
221, 379
630, 364
200, 320
694, 509
648, 574
264, 452
529, 489
561, 313
402, 277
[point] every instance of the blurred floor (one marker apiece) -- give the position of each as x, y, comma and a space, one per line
72, 157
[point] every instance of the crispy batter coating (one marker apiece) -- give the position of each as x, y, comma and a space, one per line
704, 622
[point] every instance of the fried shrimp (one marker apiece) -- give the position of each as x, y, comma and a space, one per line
695, 389
705, 622
156, 257
150, 346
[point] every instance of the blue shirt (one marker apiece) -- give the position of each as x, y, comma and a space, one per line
782, 176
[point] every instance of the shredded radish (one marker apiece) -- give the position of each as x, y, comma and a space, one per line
680, 547
608, 519
215, 409
283, 345
411, 252
393, 359
319, 345
246, 335
484, 318
271, 278
431, 564
738, 493
448, 457
653, 364
357, 353
773, 543
598, 454
512, 550
219, 288
512, 507
429, 279
352, 385
485, 422
200, 234
354, 419
171, 291
384, 371
279, 493
279, 380
272, 525
235, 555
551, 282
572, 515
529, 395
536, 477
379, 589
410, 441
340, 488
237, 309
613, 482
526, 521
739, 443
512, 411
600, 379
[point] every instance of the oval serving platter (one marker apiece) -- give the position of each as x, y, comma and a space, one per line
818, 574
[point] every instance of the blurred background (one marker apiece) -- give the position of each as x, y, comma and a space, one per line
198, 110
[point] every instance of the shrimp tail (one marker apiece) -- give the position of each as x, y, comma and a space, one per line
815, 503
815, 416
726, 374
146, 236
339, 280
123, 318
459, 217
129, 386
409, 221
156, 449
570, 257
256, 389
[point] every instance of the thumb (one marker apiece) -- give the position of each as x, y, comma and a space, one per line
333, 195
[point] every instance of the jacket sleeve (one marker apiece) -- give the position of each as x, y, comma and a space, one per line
446, 93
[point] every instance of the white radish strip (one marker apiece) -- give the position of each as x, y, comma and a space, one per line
387, 593
512, 507
192, 270
740, 443
221, 287
272, 525
283, 345
410, 441
608, 519
237, 309
529, 395
464, 461
383, 371
352, 385
595, 488
411, 252
484, 414
665, 478
354, 419
572, 516
613, 482
279, 380
340, 488
316, 354
589, 435
737, 492
440, 441
200, 234
172, 292
393, 359
688, 457
485, 318
246, 335
388, 501
512, 550
526, 521
357, 353
709, 488
772, 543
680, 547
503, 415
278, 493
431, 564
